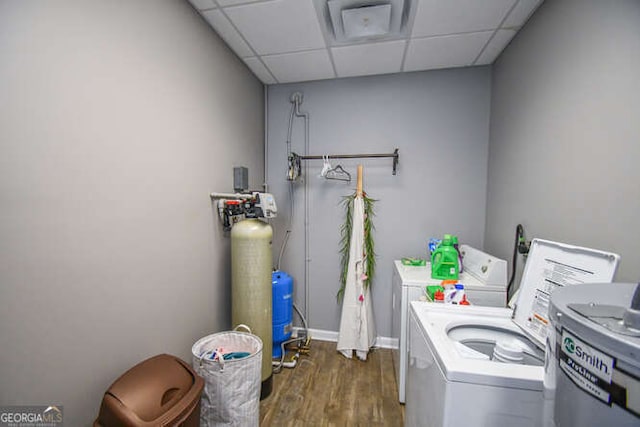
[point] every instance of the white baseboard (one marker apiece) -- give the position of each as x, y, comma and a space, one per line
332, 336
387, 342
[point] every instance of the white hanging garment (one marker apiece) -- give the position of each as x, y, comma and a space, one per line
357, 327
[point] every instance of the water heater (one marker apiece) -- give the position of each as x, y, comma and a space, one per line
251, 290
593, 368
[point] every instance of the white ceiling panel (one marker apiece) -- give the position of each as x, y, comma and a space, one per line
259, 70
520, 13
367, 59
294, 40
302, 66
497, 44
229, 34
278, 26
225, 3
203, 4
438, 17
445, 51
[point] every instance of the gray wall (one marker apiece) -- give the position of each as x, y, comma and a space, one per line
440, 122
565, 133
116, 121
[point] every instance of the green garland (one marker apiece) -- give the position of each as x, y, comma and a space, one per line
345, 241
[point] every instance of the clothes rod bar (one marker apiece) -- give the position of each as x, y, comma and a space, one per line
395, 156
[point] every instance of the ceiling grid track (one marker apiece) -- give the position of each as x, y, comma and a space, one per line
304, 40
495, 31
255, 54
326, 41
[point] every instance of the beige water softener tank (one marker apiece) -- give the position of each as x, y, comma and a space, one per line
251, 266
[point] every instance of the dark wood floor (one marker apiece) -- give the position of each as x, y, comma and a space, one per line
327, 389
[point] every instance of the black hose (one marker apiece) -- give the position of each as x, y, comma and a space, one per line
514, 259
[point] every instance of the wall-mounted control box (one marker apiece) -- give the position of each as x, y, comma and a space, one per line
240, 179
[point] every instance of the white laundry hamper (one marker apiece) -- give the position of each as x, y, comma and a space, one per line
231, 395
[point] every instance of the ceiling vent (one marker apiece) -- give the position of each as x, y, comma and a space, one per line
366, 21
361, 20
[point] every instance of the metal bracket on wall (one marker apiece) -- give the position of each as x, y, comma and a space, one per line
394, 155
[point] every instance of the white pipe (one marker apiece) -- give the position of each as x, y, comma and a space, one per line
294, 97
265, 185
229, 196
297, 100
289, 130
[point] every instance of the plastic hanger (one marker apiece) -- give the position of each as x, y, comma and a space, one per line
339, 174
326, 166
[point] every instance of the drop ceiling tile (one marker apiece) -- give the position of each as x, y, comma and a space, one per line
278, 26
520, 13
366, 59
225, 3
438, 17
203, 4
229, 34
445, 51
497, 44
300, 66
259, 70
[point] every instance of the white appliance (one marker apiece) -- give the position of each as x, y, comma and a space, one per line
485, 281
454, 377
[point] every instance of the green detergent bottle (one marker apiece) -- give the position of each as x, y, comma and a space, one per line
444, 260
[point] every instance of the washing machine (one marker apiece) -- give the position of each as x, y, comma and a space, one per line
485, 281
484, 366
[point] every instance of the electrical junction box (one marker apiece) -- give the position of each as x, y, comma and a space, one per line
240, 179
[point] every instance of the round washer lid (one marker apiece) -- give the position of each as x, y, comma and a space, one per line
552, 265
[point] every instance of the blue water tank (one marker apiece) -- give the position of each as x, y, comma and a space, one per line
282, 310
